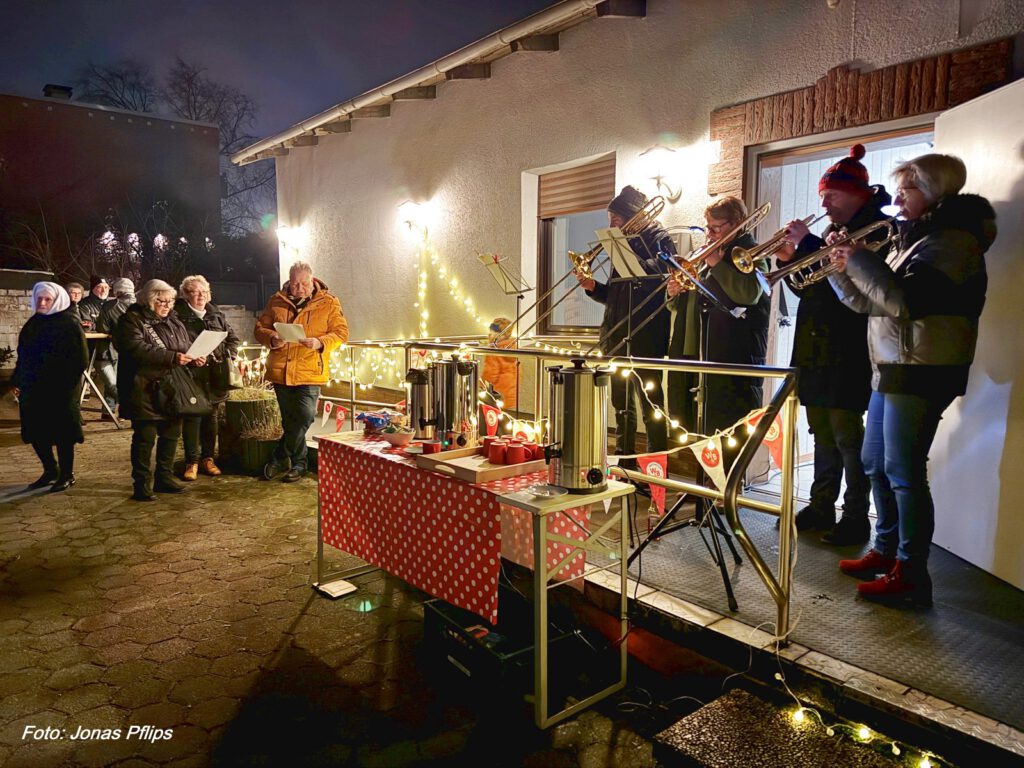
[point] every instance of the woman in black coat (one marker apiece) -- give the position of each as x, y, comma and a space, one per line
48, 382
198, 314
150, 341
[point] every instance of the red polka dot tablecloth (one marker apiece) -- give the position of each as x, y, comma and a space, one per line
442, 535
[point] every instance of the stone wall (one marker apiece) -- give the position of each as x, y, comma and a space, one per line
241, 320
15, 310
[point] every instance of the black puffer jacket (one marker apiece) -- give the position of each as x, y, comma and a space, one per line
141, 360
89, 311
51, 358
213, 320
923, 324
111, 313
652, 341
830, 343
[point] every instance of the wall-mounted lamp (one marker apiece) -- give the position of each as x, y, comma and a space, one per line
660, 159
291, 237
417, 217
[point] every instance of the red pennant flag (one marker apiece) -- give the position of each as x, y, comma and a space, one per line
709, 454
340, 412
491, 415
655, 465
773, 438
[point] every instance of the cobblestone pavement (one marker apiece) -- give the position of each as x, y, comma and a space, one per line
195, 615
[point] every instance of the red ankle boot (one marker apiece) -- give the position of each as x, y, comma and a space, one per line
903, 582
872, 562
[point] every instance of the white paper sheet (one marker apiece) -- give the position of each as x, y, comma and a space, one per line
290, 331
205, 343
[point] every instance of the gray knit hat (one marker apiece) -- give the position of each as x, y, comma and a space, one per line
627, 202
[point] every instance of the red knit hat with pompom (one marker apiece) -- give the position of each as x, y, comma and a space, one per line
848, 175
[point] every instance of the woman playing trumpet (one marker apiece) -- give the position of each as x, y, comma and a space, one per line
923, 308
727, 337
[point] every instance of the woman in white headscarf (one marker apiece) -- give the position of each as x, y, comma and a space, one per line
48, 381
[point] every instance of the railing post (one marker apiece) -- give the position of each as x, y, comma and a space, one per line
789, 414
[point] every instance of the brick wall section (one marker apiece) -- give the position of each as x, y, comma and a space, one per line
845, 97
15, 310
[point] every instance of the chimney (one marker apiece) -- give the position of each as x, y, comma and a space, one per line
51, 91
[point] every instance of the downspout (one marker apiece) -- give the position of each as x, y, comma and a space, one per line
503, 37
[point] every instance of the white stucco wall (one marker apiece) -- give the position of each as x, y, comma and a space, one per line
615, 85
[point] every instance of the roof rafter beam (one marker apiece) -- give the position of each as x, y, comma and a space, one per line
416, 92
338, 126
479, 71
536, 43
307, 140
378, 110
623, 9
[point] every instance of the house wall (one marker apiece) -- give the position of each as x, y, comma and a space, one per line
615, 85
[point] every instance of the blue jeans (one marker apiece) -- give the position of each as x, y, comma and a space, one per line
898, 436
298, 409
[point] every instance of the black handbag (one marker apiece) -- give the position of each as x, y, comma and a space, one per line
225, 376
177, 393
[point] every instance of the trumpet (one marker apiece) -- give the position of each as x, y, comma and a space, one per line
744, 259
583, 263
815, 267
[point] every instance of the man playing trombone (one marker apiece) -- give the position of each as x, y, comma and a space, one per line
736, 331
830, 350
620, 296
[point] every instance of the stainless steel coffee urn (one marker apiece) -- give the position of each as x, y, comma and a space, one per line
577, 455
455, 401
420, 404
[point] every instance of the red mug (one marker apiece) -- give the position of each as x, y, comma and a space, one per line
515, 454
431, 446
496, 452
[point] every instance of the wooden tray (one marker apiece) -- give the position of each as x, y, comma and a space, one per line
466, 464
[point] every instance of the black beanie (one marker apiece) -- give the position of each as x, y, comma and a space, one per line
95, 280
627, 202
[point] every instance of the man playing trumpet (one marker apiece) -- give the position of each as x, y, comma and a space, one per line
830, 350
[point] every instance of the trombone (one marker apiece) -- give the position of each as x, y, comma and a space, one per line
582, 264
815, 267
745, 259
686, 275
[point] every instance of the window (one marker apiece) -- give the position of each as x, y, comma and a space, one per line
571, 206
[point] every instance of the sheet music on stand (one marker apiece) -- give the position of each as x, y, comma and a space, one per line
505, 274
624, 259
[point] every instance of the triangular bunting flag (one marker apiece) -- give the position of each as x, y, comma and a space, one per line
655, 465
491, 415
709, 454
773, 439
328, 406
340, 412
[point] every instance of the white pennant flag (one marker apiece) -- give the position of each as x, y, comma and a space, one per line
709, 454
328, 407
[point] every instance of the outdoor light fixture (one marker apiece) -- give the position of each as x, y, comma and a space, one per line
659, 157
291, 237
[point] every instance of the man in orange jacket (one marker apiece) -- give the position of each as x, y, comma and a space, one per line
297, 369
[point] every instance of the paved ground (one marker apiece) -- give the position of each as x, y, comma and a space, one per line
194, 616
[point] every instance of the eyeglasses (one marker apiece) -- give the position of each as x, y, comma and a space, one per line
164, 302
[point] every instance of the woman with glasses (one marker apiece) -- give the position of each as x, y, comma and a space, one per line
151, 340
923, 307
198, 314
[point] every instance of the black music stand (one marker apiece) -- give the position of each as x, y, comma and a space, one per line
705, 509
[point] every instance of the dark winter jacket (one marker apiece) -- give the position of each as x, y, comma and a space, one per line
923, 324
830, 345
51, 359
213, 320
141, 361
652, 340
727, 339
112, 311
89, 311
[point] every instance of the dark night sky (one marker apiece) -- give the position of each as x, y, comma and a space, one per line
295, 58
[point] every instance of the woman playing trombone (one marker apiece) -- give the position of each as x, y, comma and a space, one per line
923, 308
736, 336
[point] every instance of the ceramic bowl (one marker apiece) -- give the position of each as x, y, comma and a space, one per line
398, 439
